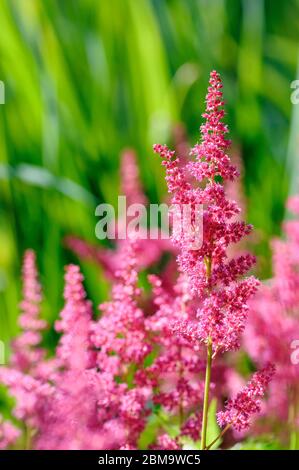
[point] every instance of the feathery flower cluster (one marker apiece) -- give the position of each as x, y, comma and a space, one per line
73, 351
215, 282
25, 353
239, 410
120, 330
212, 278
130, 182
175, 372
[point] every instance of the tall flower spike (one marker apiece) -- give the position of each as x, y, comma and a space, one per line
74, 348
120, 330
130, 180
26, 350
211, 156
214, 281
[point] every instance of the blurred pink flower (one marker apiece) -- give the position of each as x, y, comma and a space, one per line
8, 434
26, 350
273, 320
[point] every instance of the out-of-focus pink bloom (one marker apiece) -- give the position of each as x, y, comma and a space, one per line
130, 179
121, 329
26, 352
215, 283
192, 426
175, 372
234, 382
293, 204
31, 394
76, 402
75, 322
273, 325
81, 413
8, 434
165, 442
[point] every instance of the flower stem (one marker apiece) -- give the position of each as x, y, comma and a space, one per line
206, 396
292, 420
219, 436
27, 437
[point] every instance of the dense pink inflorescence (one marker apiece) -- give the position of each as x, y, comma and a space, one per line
26, 351
239, 410
214, 281
121, 328
73, 350
175, 372
130, 181
212, 277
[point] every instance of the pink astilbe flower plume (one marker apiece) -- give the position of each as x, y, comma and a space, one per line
121, 330
32, 395
73, 406
211, 157
121, 343
27, 352
212, 277
130, 180
73, 350
215, 281
239, 410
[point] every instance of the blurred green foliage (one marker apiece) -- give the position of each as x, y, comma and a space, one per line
86, 78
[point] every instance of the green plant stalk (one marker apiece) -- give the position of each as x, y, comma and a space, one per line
203, 443
219, 436
293, 444
27, 437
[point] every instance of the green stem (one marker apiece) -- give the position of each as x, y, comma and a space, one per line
206, 396
219, 436
292, 420
27, 437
